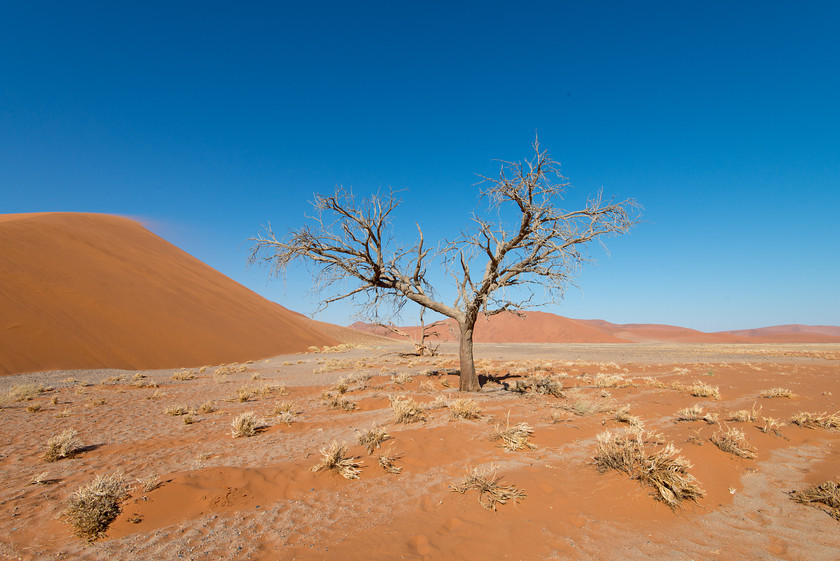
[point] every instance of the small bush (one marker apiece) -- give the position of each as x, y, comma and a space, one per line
464, 409
177, 410
701, 389
286, 412
335, 458
646, 460
622, 415
208, 407
693, 413
63, 445
93, 507
777, 392
734, 442
401, 379
26, 392
583, 407
33, 407
611, 381
546, 385
745, 415
373, 438
813, 420
490, 491
825, 496
338, 402
184, 374
386, 462
406, 410
245, 425
514, 437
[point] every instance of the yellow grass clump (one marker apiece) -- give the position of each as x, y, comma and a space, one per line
63, 445
646, 460
246, 425
92, 507
733, 441
335, 458
490, 490
777, 392
373, 438
406, 410
514, 437
812, 420
465, 409
825, 496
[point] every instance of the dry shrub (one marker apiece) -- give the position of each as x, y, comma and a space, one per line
286, 412
177, 410
439, 402
825, 496
149, 483
653, 382
772, 425
611, 381
189, 418
33, 407
701, 389
744, 415
244, 393
464, 409
490, 491
813, 420
337, 402
622, 415
335, 458
63, 445
26, 392
246, 425
514, 437
693, 413
184, 374
583, 407
92, 507
373, 438
208, 407
386, 462
733, 441
777, 392
645, 459
271, 389
97, 402
546, 385
406, 410
402, 378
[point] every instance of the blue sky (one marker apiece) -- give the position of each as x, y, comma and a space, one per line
206, 120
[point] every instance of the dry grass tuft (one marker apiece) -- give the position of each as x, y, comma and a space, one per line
777, 392
825, 496
184, 374
386, 462
208, 407
286, 412
702, 389
464, 409
406, 410
514, 437
63, 445
26, 392
490, 492
611, 381
177, 410
33, 407
773, 426
337, 402
335, 458
246, 425
647, 460
546, 385
813, 420
622, 415
92, 507
402, 378
149, 483
373, 438
745, 415
693, 413
583, 407
733, 441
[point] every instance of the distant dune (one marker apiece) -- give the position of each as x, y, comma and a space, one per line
98, 291
542, 327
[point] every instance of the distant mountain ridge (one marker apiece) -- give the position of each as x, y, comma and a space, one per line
544, 327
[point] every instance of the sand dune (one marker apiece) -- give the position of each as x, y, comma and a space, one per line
542, 327
98, 291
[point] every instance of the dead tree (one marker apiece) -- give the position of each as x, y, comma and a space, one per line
530, 244
421, 348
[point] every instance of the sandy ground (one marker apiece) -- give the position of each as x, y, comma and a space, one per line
257, 498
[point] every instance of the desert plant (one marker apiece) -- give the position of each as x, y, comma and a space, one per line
825, 496
622, 415
183, 375
406, 410
702, 389
97, 402
547, 385
611, 381
373, 438
386, 462
245, 425
33, 407
733, 441
208, 407
583, 407
62, 445
401, 379
464, 409
645, 459
513, 437
772, 425
26, 392
813, 420
693, 413
177, 410
488, 484
777, 392
189, 418
244, 393
286, 412
744, 415
335, 458
92, 507
337, 402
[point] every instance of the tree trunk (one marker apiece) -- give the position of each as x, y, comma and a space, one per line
468, 378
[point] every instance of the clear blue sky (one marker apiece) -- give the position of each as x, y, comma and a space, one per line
206, 120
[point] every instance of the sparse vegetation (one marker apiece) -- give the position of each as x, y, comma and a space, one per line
62, 445
490, 490
611, 381
286, 412
813, 420
402, 378
337, 402
177, 410
777, 392
464, 409
335, 458
622, 415
387, 462
92, 507
26, 392
373, 438
246, 425
702, 389
643, 457
733, 441
208, 407
583, 407
745, 415
184, 374
825, 496
406, 410
514, 437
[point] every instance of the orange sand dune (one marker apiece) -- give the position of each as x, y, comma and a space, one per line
542, 327
98, 291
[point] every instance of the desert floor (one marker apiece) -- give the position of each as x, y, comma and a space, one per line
257, 497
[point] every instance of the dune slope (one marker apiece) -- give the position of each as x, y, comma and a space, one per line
98, 291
